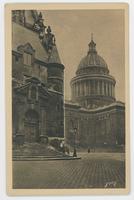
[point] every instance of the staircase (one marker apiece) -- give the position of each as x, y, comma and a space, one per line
35, 151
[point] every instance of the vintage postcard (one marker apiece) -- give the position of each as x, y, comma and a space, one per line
67, 99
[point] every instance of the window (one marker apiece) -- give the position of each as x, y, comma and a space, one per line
27, 59
33, 92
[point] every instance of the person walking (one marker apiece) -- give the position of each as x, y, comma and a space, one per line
88, 150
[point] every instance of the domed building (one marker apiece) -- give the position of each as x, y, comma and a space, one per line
93, 117
93, 86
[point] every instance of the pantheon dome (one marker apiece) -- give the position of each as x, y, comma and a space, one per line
93, 86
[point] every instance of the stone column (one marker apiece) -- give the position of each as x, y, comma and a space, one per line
75, 89
43, 122
81, 88
110, 89
86, 103
84, 88
72, 91
106, 88
82, 85
93, 86
20, 135
102, 87
98, 88
89, 87
37, 94
21, 124
113, 91
78, 88
42, 125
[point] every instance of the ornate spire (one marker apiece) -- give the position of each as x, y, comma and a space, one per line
92, 45
40, 16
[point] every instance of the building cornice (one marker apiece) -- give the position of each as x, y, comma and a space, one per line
93, 77
114, 106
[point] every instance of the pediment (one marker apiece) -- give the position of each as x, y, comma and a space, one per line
42, 90
26, 48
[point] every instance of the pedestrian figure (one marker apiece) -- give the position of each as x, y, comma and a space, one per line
67, 150
88, 150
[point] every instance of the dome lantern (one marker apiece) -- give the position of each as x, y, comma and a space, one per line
92, 45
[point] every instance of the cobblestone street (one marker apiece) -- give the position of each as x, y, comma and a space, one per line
93, 170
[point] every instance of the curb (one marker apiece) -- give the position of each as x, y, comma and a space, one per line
43, 158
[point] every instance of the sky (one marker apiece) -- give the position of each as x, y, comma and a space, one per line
73, 28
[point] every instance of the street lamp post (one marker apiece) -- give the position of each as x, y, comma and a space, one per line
75, 153
74, 131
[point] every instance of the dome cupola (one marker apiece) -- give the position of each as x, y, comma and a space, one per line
92, 62
93, 86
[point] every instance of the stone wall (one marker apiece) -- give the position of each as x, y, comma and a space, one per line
103, 127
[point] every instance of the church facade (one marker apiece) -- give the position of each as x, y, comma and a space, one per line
37, 80
93, 117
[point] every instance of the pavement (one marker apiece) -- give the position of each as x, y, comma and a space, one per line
93, 170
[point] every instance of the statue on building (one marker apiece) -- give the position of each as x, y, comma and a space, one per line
45, 35
48, 40
39, 25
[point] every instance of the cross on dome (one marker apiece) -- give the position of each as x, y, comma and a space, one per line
92, 45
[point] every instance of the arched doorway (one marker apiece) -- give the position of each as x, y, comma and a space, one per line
31, 126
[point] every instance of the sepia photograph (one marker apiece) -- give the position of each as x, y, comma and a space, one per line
67, 84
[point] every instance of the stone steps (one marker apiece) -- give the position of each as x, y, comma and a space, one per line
35, 149
43, 158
